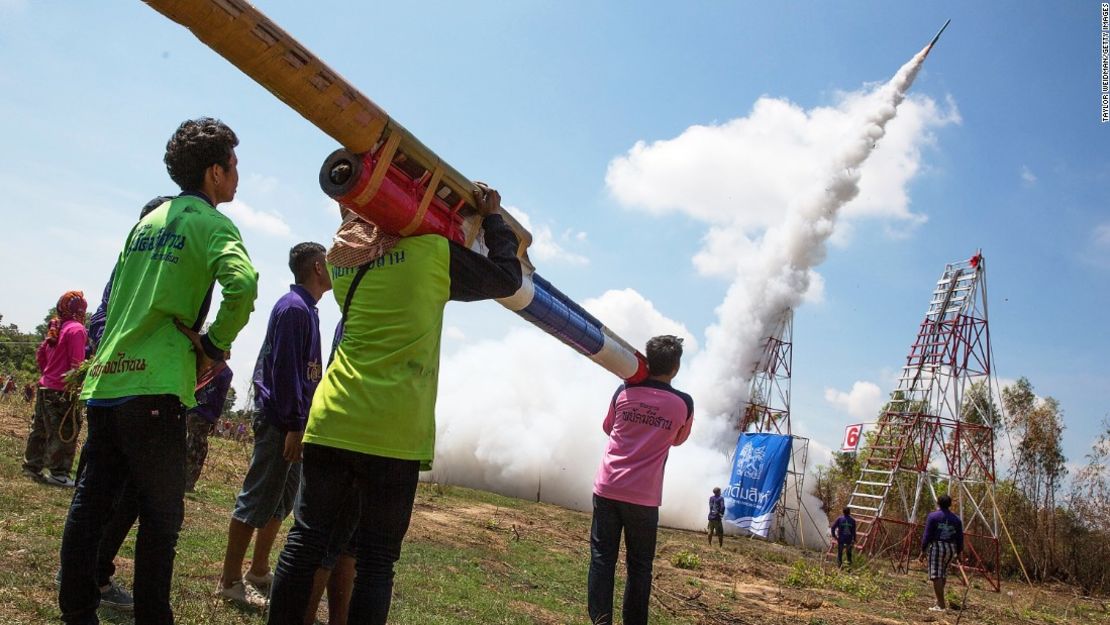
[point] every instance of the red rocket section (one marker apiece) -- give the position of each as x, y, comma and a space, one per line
395, 205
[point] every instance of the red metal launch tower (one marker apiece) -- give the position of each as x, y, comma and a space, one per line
935, 435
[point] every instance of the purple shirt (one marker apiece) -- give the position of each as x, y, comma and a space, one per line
289, 367
844, 529
716, 507
943, 526
211, 397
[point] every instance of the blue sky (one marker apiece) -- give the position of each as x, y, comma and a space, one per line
999, 147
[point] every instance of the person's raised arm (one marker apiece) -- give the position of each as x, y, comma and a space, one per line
475, 277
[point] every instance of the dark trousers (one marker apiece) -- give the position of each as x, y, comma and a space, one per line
385, 489
123, 516
141, 442
640, 525
841, 549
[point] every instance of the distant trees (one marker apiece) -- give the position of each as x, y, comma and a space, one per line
1036, 471
17, 352
832, 485
979, 408
1060, 533
1085, 522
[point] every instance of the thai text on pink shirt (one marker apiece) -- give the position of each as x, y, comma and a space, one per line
644, 421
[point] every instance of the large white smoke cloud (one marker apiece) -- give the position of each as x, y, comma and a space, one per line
770, 186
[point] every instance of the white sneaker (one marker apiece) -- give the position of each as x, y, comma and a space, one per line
60, 480
243, 595
936, 608
262, 582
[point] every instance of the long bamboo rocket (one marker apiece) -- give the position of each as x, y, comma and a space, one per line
384, 173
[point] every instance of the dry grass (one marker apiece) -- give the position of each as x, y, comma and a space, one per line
473, 557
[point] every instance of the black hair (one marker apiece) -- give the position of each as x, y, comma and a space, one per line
663, 354
847, 511
301, 257
153, 204
716, 490
194, 147
944, 501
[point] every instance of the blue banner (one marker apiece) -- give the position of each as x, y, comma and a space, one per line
758, 472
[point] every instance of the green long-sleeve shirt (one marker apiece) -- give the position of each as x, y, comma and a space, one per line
163, 273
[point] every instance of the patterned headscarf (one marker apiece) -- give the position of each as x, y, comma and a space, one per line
358, 242
71, 306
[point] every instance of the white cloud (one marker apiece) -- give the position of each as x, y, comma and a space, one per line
1102, 235
863, 401
545, 248
771, 186
748, 173
259, 183
454, 333
263, 222
1027, 176
635, 319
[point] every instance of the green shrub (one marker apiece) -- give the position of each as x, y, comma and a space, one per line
686, 560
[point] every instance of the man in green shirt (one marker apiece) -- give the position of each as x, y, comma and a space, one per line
371, 427
143, 376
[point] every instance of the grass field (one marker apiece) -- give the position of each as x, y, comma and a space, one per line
475, 557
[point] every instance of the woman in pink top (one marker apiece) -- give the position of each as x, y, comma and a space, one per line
57, 419
645, 420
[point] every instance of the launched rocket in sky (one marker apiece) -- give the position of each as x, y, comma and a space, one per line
929, 47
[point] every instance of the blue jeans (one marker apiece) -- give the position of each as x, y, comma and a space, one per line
385, 489
141, 442
640, 525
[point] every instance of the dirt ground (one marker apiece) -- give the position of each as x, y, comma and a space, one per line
746, 581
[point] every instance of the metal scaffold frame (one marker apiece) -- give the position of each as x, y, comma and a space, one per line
924, 443
768, 406
768, 410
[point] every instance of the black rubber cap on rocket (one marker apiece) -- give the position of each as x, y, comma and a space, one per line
340, 172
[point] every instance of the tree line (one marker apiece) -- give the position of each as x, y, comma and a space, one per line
1060, 528
17, 358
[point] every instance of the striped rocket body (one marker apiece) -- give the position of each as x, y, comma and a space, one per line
547, 308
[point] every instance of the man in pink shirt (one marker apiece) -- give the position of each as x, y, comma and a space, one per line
57, 419
645, 420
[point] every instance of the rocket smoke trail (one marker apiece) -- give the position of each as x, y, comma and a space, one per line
529, 426
787, 254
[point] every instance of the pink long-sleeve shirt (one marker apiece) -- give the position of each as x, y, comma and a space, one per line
645, 420
69, 352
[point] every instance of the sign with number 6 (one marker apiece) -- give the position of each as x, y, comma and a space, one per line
852, 435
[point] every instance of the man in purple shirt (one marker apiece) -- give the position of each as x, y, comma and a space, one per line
716, 517
285, 376
943, 540
844, 533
